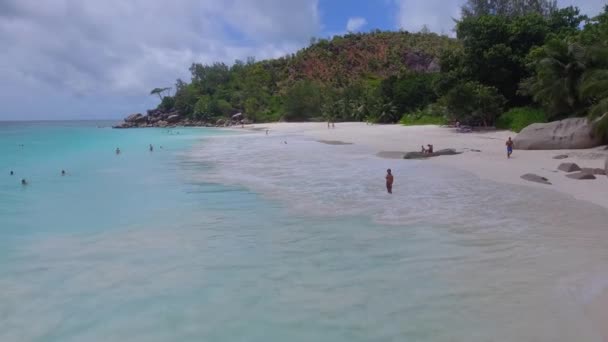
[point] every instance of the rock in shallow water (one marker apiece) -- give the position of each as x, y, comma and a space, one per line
568, 167
420, 155
535, 178
580, 176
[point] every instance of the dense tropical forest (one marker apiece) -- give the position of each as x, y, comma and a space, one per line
512, 63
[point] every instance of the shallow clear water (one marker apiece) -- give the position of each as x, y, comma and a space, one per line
222, 236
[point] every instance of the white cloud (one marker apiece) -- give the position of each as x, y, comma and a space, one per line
123, 48
437, 15
355, 24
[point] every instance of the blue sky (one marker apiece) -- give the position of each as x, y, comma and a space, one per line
90, 59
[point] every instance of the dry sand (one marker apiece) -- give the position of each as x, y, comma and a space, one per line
390, 141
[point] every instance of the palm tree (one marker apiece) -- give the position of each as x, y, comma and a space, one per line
159, 92
594, 88
560, 67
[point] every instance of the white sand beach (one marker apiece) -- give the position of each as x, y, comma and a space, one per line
491, 163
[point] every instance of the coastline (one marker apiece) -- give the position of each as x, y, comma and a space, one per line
484, 153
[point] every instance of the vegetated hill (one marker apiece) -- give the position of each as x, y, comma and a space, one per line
378, 54
344, 72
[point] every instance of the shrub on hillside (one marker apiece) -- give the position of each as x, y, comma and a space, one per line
517, 119
433, 114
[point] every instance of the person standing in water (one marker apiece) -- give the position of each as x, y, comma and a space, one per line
389, 181
117, 151
509, 144
23, 182
12, 173
151, 148
63, 172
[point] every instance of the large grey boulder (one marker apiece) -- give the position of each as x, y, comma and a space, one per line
568, 167
420, 155
530, 177
580, 176
575, 133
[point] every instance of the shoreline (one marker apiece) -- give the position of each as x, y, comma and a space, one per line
484, 153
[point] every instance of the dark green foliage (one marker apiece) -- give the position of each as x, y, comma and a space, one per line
519, 118
302, 101
410, 92
472, 103
167, 103
508, 8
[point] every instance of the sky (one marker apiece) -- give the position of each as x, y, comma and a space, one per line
91, 59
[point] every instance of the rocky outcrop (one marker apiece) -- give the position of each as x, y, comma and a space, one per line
575, 133
568, 167
160, 118
421, 155
530, 177
580, 176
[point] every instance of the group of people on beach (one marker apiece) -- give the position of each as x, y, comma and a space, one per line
429, 149
389, 174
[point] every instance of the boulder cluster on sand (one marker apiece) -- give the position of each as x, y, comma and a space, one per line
160, 118
576, 172
574, 133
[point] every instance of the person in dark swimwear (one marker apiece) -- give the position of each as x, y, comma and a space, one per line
429, 149
23, 182
63, 172
389, 181
12, 173
117, 150
509, 144
151, 148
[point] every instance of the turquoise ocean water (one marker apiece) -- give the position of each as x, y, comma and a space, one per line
220, 236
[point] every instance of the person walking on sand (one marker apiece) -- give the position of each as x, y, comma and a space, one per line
389, 181
509, 144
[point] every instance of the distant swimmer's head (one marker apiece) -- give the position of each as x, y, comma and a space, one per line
63, 172
23, 182
12, 173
